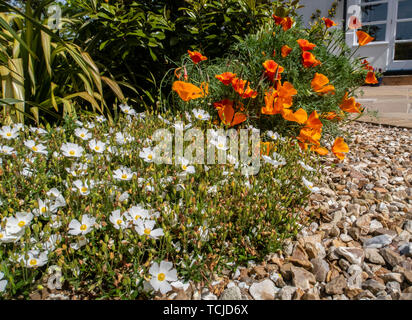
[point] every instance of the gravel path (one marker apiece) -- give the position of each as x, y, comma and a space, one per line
358, 245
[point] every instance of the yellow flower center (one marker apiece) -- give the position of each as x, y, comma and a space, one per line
161, 277
220, 145
72, 152
43, 209
119, 222
147, 231
97, 148
150, 157
124, 176
1, 235
82, 135
8, 134
83, 227
34, 148
200, 116
21, 224
33, 262
136, 217
83, 189
184, 167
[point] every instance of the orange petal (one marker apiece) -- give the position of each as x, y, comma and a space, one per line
363, 37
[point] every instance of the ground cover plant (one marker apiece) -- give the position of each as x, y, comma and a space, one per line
87, 197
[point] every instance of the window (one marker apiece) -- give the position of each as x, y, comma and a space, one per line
374, 18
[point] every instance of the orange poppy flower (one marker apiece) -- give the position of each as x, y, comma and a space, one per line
277, 100
285, 51
310, 135
320, 150
227, 113
328, 22
226, 77
299, 116
305, 45
249, 93
271, 68
196, 56
269, 107
286, 23
309, 60
188, 91
350, 105
363, 38
354, 23
238, 85
314, 121
371, 78
339, 148
320, 84
332, 115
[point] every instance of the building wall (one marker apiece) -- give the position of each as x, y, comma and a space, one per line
310, 7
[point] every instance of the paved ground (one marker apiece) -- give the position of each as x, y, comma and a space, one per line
393, 103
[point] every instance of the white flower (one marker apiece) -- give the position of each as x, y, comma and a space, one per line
273, 135
78, 169
146, 228
6, 237
3, 283
71, 150
37, 130
201, 114
7, 150
117, 219
123, 173
39, 148
309, 185
124, 196
90, 125
122, 138
81, 241
220, 142
97, 146
147, 154
57, 198
44, 208
137, 213
305, 166
180, 127
127, 109
76, 228
16, 224
83, 133
35, 259
9, 133
270, 160
185, 167
83, 187
162, 275
101, 119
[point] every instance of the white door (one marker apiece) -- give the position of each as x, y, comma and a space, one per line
400, 53
390, 23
